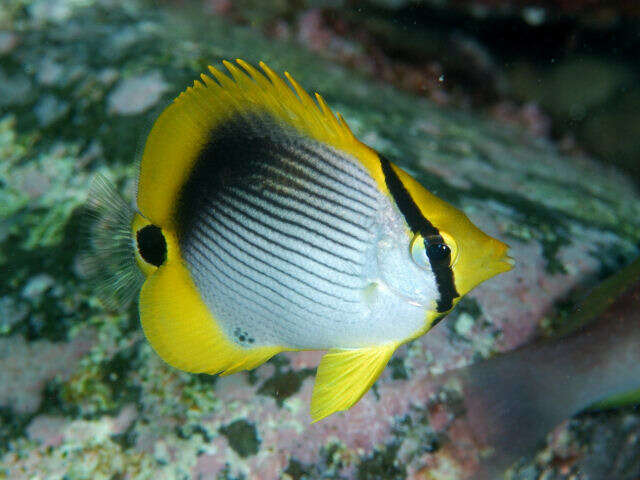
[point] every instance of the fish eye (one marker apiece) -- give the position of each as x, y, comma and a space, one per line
452, 245
434, 250
419, 252
439, 252
151, 245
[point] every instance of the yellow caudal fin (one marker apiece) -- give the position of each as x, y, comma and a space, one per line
344, 376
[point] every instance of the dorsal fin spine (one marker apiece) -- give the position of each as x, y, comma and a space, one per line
224, 81
257, 77
241, 78
305, 99
302, 98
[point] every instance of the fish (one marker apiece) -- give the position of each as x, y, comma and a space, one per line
262, 225
513, 400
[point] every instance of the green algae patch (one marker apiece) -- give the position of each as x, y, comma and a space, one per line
583, 308
12, 426
413, 436
104, 387
398, 369
297, 470
242, 437
625, 399
284, 383
383, 463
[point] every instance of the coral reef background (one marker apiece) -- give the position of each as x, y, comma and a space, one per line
82, 395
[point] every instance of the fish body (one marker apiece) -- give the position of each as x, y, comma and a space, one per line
263, 225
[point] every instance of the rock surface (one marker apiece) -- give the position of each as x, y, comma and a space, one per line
73, 104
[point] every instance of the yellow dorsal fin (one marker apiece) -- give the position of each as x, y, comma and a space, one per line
344, 376
185, 126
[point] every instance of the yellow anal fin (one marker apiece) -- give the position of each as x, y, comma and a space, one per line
344, 376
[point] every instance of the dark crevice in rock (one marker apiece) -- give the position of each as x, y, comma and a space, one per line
382, 464
242, 437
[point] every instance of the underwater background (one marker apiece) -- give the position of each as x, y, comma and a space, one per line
524, 114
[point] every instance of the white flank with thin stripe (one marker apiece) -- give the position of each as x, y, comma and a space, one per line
293, 257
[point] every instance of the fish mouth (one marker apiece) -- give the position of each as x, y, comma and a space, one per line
499, 261
496, 266
468, 274
506, 263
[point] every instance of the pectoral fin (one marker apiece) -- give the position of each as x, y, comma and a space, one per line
344, 376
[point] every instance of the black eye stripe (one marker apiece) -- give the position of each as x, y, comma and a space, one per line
419, 224
439, 252
152, 245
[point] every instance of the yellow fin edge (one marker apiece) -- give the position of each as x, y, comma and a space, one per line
344, 376
181, 329
184, 127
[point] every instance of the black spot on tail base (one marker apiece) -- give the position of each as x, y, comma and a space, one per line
152, 245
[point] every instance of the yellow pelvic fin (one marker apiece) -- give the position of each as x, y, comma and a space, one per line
181, 329
183, 129
344, 376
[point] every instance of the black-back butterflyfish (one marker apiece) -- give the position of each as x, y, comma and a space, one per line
263, 225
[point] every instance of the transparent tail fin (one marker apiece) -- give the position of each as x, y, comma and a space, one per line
109, 254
